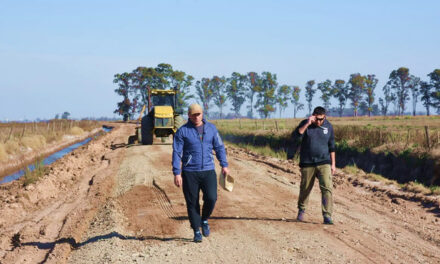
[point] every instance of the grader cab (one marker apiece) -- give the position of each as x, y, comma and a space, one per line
162, 119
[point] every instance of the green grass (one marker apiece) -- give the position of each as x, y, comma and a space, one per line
361, 132
351, 169
380, 178
30, 177
435, 190
404, 137
416, 187
266, 150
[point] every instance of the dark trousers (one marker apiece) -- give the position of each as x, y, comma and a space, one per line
193, 182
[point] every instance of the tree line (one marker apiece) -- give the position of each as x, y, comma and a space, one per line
264, 95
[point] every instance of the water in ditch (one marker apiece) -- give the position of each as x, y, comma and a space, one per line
52, 158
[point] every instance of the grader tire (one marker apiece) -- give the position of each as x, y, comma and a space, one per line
147, 130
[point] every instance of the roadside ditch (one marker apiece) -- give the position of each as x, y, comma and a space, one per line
402, 167
49, 155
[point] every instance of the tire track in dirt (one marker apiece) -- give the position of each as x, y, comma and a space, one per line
141, 209
46, 228
253, 224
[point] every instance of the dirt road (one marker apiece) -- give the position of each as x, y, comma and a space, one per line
109, 203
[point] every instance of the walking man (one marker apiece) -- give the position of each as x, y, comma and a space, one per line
317, 159
193, 167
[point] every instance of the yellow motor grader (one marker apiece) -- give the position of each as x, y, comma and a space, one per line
162, 119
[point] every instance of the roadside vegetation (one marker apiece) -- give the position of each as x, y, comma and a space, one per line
39, 170
404, 137
19, 138
401, 134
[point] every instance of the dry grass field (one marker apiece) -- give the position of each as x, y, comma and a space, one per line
404, 137
419, 132
18, 138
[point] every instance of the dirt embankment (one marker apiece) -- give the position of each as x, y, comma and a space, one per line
41, 220
110, 204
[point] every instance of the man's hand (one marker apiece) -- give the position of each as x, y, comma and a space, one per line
225, 171
312, 119
178, 180
333, 161
333, 169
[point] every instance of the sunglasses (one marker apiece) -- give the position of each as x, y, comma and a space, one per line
320, 119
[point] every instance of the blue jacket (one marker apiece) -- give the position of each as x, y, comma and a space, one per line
190, 153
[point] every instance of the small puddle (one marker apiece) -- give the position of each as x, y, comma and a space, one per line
54, 157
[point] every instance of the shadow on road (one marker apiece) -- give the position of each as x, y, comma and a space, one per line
183, 218
118, 145
75, 245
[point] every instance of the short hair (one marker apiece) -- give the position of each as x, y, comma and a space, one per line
319, 111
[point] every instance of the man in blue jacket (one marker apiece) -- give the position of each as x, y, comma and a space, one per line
317, 160
193, 167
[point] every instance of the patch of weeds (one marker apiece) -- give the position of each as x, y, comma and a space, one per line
379, 178
30, 177
416, 187
265, 151
351, 169
435, 190
406, 153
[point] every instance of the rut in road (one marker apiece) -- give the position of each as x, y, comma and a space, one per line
145, 221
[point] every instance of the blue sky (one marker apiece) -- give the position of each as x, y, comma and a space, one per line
58, 56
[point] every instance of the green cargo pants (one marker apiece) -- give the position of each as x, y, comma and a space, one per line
324, 174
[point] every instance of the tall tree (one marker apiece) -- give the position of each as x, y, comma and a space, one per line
295, 100
309, 94
235, 90
388, 98
141, 83
414, 87
399, 80
356, 85
370, 85
205, 94
165, 75
435, 85
65, 115
340, 92
181, 82
123, 108
326, 92
136, 86
218, 87
425, 91
283, 97
254, 87
266, 98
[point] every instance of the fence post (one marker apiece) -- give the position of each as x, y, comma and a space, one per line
256, 126
239, 121
264, 127
380, 136
427, 136
276, 125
